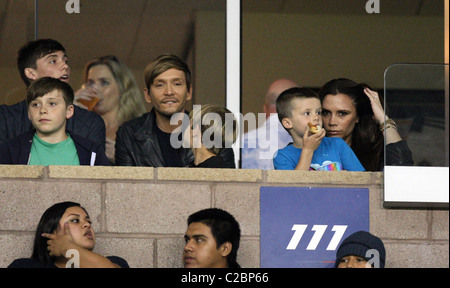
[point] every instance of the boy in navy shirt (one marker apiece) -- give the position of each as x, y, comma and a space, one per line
46, 58
50, 105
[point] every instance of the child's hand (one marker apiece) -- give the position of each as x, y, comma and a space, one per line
312, 141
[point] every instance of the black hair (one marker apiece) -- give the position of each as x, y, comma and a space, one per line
284, 106
48, 224
224, 228
367, 139
33, 51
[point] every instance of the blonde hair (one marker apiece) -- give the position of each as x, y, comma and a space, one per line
214, 119
132, 103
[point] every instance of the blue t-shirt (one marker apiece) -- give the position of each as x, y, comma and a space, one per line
333, 154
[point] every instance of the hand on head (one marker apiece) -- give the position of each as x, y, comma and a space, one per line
58, 243
377, 108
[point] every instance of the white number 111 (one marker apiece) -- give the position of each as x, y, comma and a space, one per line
319, 231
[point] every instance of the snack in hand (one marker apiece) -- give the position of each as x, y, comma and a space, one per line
314, 128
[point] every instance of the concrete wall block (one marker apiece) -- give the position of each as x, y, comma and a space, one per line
417, 255
101, 172
440, 225
153, 208
14, 247
396, 223
208, 174
24, 202
21, 171
242, 202
170, 252
138, 252
249, 254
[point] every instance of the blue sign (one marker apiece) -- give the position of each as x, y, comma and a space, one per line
303, 227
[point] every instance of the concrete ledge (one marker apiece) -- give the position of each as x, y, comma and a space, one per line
98, 172
312, 177
189, 174
206, 174
21, 171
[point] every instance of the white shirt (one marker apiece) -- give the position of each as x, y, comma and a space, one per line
260, 145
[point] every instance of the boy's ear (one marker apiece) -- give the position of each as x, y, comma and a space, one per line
69, 112
30, 73
225, 249
287, 123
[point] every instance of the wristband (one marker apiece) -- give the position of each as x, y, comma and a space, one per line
388, 124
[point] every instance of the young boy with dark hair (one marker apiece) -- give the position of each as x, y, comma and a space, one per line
212, 240
46, 58
50, 105
299, 109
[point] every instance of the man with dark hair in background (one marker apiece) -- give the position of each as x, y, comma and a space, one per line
212, 240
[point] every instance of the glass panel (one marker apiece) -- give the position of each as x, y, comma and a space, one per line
417, 100
313, 42
17, 26
137, 31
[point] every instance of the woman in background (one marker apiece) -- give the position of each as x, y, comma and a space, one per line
110, 90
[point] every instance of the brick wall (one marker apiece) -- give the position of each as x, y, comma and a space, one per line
140, 213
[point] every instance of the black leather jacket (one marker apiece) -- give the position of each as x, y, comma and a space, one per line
137, 145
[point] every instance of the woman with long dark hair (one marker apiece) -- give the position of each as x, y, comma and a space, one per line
354, 112
65, 239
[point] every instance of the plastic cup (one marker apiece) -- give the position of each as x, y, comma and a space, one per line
90, 104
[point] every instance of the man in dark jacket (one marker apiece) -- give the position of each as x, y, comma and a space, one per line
37, 59
146, 141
